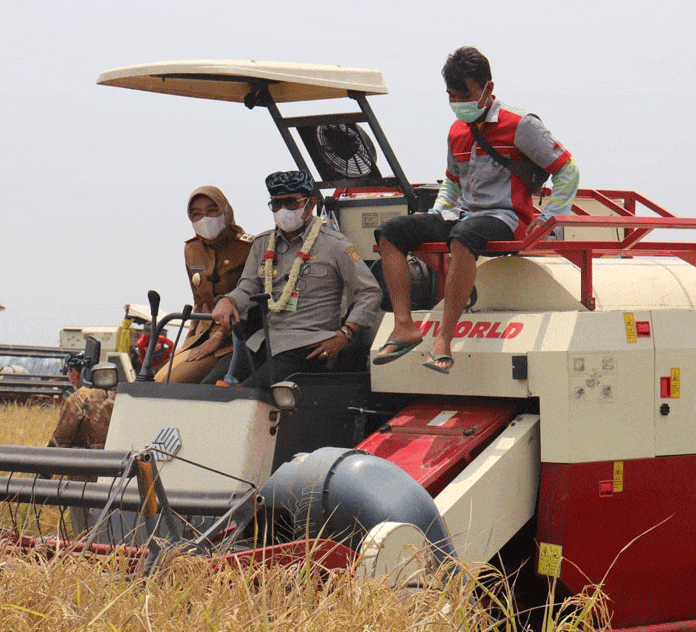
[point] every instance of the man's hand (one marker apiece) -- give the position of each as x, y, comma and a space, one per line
329, 348
209, 347
225, 308
535, 224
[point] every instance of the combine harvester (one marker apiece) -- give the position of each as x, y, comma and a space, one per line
565, 434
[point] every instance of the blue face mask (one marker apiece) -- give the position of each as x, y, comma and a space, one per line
467, 111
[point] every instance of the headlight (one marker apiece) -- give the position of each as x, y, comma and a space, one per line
286, 395
104, 375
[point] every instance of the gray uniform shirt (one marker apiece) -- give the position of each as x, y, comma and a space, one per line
332, 267
487, 187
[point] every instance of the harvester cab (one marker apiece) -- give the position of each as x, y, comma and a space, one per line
565, 431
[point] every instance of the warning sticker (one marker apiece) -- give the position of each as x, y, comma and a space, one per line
675, 378
550, 556
370, 220
593, 379
442, 418
630, 323
618, 476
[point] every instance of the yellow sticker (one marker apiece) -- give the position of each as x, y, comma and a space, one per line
630, 323
618, 476
675, 377
550, 559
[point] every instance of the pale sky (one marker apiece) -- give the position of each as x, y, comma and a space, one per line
94, 180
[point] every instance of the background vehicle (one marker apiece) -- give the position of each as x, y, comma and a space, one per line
29, 373
35, 374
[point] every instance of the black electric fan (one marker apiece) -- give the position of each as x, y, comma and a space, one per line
341, 151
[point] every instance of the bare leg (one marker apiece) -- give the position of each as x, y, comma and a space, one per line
397, 276
458, 286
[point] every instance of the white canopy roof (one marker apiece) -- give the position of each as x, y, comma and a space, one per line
226, 80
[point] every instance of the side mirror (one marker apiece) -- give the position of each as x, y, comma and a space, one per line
92, 352
105, 375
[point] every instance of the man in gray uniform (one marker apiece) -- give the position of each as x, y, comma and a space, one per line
305, 268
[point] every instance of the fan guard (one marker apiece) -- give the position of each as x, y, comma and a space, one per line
346, 149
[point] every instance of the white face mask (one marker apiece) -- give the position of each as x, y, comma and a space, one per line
289, 221
209, 227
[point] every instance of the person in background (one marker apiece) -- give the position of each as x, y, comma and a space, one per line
85, 415
215, 258
83, 423
480, 200
305, 267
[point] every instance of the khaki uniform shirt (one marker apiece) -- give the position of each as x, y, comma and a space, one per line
333, 267
213, 270
84, 419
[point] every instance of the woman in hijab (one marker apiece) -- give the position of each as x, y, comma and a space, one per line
215, 258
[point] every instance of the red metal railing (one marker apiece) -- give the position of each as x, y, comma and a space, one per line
582, 252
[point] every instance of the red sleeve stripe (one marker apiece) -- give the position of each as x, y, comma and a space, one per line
559, 162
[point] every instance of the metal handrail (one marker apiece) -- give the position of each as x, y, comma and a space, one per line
582, 252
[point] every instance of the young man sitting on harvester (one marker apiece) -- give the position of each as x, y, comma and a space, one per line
483, 198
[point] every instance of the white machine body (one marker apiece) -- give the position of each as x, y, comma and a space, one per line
234, 436
615, 383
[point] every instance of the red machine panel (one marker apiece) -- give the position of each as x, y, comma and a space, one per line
594, 510
434, 442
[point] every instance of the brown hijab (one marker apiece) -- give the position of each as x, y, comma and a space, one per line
221, 202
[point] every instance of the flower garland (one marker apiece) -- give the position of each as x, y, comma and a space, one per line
300, 258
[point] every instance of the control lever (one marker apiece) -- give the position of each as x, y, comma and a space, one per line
146, 373
262, 301
185, 315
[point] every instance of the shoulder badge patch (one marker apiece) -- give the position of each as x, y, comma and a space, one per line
353, 253
246, 237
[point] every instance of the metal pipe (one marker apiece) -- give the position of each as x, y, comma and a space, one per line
408, 191
162, 498
63, 461
70, 493
185, 315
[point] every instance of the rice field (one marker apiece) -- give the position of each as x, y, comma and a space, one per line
40, 590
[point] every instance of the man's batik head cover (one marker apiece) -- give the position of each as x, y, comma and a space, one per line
289, 183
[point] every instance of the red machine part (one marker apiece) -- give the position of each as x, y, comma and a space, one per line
588, 513
434, 442
327, 554
163, 349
